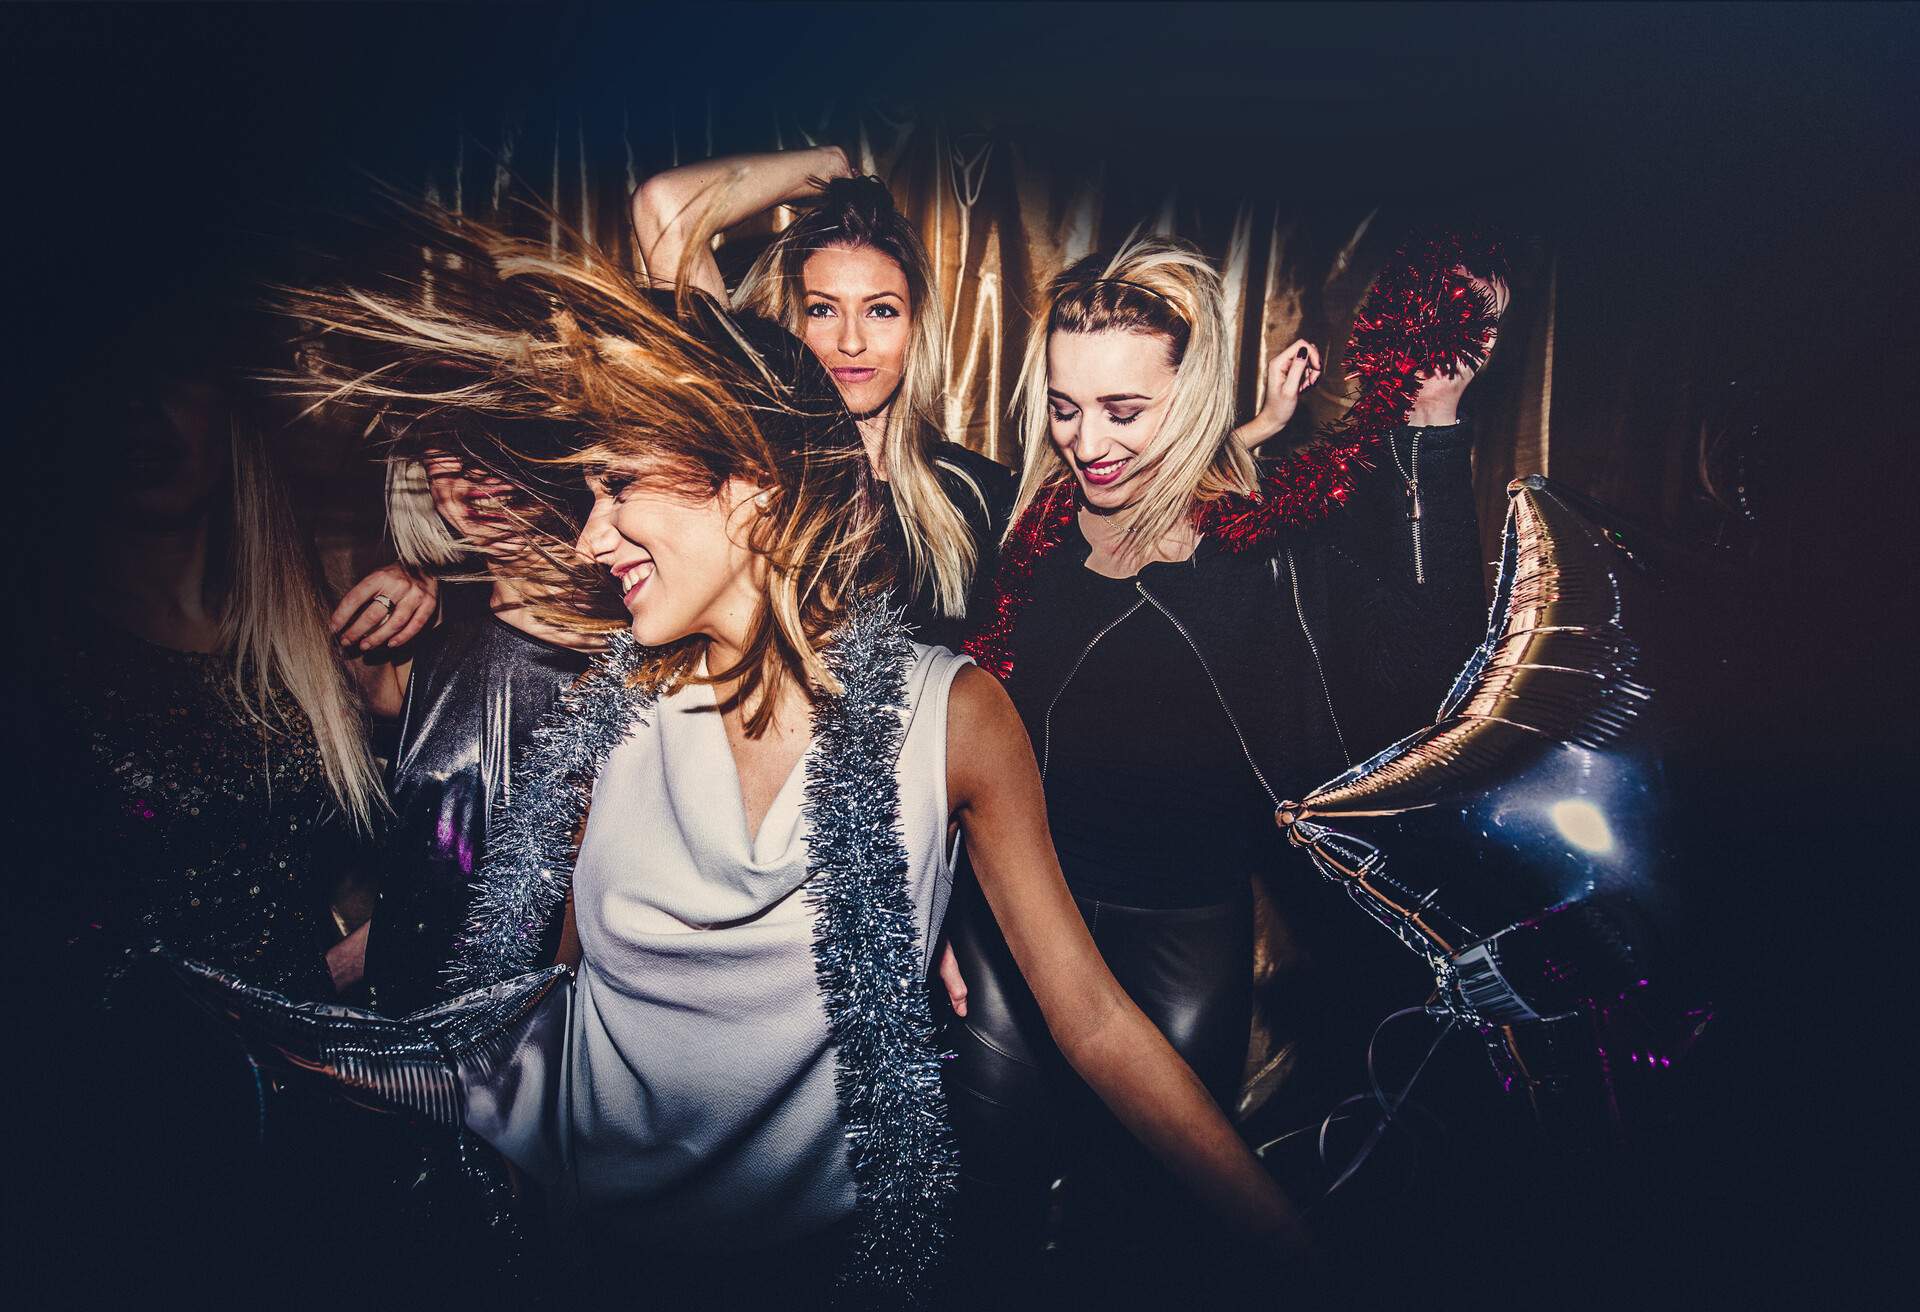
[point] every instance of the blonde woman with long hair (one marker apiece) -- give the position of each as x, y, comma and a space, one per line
747, 809
850, 277
209, 748
1189, 637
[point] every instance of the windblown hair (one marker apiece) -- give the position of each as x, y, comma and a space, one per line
273, 625
859, 214
1165, 288
421, 539
509, 337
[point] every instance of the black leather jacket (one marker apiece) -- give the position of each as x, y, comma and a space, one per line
1325, 647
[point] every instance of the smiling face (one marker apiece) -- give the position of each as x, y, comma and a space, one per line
857, 319
477, 505
680, 560
1107, 395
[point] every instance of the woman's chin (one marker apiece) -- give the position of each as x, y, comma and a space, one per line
867, 398
1105, 498
652, 633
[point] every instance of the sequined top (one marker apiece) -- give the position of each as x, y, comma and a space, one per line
188, 821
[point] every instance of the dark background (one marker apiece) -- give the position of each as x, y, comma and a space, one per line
1732, 188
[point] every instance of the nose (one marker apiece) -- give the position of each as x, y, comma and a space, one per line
853, 342
1087, 449
598, 537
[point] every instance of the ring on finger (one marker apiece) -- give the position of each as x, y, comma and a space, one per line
386, 601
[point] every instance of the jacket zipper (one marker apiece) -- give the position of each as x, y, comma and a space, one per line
1046, 721
1293, 576
1411, 477
1218, 695
1419, 558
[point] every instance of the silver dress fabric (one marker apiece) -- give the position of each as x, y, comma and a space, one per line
688, 1100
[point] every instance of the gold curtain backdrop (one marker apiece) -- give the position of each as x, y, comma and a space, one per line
1003, 208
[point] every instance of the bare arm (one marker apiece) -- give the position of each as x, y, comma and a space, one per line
994, 787
382, 684
1290, 372
669, 208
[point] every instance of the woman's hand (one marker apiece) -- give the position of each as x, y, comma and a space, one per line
1294, 369
953, 980
387, 608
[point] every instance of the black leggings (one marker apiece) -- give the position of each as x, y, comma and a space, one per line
1024, 1119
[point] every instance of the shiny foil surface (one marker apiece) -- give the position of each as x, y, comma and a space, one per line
1520, 843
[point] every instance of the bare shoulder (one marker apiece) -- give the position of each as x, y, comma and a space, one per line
977, 703
987, 747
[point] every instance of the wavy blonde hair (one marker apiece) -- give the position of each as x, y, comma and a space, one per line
859, 214
1166, 288
510, 335
273, 625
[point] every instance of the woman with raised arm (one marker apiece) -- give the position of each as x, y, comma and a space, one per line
741, 1091
850, 277
1184, 654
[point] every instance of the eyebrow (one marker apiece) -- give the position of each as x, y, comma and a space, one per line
1110, 396
877, 296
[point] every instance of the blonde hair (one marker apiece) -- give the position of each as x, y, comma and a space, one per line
859, 214
1166, 288
273, 624
421, 539
512, 333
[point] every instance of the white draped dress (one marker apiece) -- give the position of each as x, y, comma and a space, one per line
683, 1093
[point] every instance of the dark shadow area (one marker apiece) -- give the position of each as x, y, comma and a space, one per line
1716, 200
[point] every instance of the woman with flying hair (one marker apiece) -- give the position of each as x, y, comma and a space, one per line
850, 278
1189, 638
748, 808
468, 694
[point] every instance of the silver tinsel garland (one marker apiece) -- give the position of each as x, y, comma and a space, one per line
868, 957
523, 878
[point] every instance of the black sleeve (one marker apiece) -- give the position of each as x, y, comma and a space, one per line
1406, 598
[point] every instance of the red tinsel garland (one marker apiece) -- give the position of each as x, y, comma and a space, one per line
1044, 527
1421, 319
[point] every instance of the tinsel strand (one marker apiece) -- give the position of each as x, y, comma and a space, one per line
870, 964
523, 878
868, 957
1421, 319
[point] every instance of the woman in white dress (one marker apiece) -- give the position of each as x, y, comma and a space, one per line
743, 1073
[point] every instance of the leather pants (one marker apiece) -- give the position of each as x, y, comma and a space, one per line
1024, 1120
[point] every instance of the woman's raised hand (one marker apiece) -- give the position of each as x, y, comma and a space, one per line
387, 608
1290, 372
